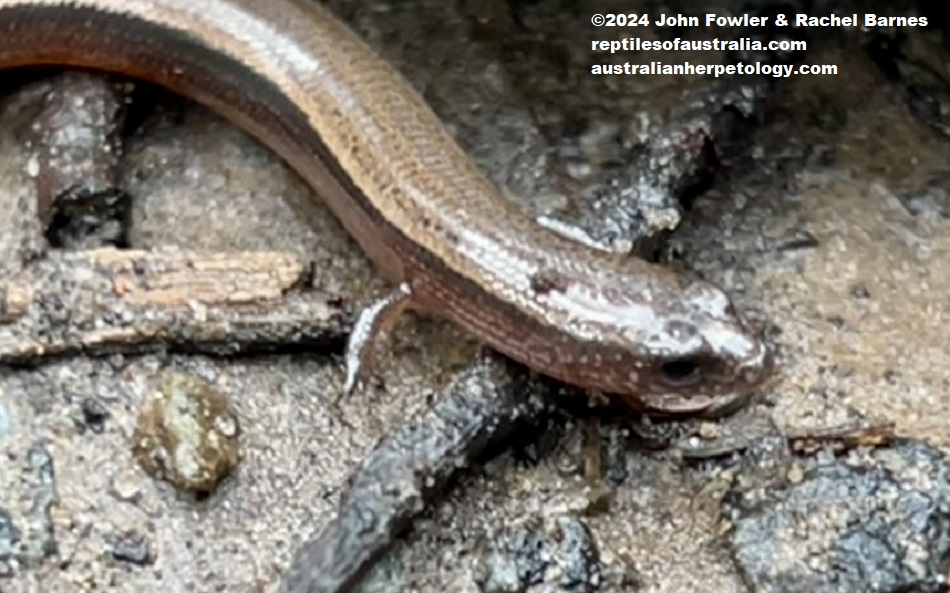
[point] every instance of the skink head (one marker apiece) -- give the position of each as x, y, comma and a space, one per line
697, 349
664, 342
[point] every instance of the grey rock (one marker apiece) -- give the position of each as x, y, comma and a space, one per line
868, 522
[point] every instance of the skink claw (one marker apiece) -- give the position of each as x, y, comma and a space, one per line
372, 322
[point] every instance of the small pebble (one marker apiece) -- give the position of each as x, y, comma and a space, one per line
709, 430
556, 555
6, 421
15, 302
94, 414
186, 434
132, 548
9, 535
126, 485
795, 474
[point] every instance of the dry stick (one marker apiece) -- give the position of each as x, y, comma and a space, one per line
76, 150
107, 300
406, 470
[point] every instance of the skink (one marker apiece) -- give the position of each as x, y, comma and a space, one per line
303, 84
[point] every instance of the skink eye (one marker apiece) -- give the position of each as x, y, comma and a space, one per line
681, 372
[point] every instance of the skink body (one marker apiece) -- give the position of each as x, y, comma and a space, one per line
307, 87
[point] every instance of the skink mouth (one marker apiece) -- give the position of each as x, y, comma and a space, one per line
680, 406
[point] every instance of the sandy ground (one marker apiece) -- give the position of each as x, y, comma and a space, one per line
860, 319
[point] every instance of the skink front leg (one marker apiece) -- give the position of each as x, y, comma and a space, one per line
373, 321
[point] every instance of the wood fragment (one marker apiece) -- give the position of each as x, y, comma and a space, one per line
109, 300
860, 433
